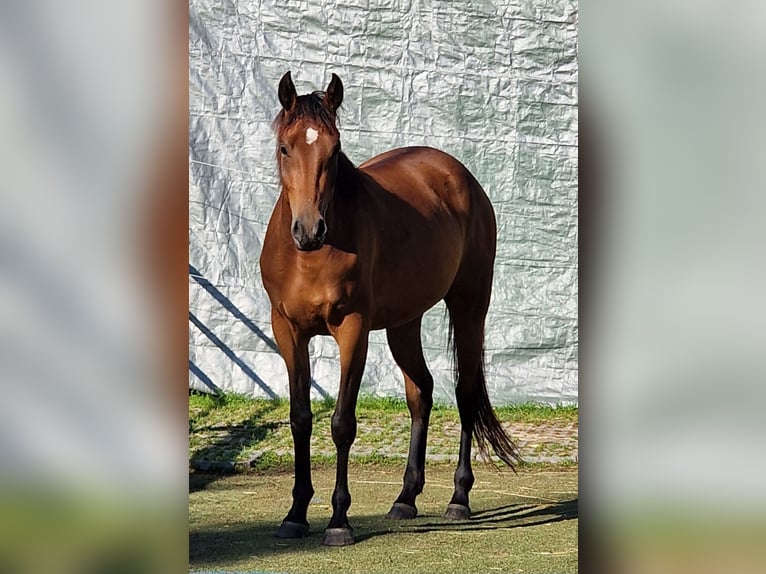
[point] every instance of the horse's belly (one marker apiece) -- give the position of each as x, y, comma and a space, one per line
412, 285
394, 313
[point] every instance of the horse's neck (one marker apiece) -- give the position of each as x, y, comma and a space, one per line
348, 198
348, 182
348, 174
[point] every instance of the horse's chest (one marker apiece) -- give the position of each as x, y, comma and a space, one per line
315, 304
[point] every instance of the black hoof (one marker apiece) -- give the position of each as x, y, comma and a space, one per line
402, 511
292, 530
338, 537
457, 512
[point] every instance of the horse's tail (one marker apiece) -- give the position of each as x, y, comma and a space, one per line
487, 429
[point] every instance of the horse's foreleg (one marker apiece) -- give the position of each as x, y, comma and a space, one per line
294, 350
351, 336
407, 351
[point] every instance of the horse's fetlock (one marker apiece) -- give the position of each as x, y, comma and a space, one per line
464, 478
415, 479
341, 499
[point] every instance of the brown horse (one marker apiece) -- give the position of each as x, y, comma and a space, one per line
348, 250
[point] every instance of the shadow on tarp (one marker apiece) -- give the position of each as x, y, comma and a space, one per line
227, 304
202, 376
232, 355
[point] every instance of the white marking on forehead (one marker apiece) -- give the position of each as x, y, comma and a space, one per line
311, 135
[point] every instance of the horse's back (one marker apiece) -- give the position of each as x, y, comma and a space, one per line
421, 154
418, 174
428, 178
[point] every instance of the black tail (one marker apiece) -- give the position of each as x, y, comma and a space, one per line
487, 429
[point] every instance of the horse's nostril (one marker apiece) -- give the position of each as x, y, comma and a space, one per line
321, 228
296, 228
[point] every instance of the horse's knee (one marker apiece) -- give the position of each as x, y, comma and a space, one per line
343, 429
425, 391
301, 422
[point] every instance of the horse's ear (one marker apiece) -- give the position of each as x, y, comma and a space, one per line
333, 96
287, 94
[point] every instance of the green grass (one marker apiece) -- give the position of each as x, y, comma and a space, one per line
237, 404
246, 434
535, 413
525, 412
521, 523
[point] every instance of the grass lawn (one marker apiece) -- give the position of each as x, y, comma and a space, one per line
234, 431
521, 523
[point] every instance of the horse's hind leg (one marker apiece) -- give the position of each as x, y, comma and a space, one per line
407, 350
467, 313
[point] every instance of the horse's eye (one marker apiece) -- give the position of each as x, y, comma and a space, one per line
283, 149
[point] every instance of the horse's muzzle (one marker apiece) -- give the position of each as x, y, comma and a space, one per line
309, 241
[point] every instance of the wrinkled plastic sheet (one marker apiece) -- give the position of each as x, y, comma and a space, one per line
494, 84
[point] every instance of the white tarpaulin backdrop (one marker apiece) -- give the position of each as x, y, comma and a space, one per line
492, 83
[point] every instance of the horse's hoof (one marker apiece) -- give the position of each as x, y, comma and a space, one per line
457, 512
292, 530
338, 537
402, 511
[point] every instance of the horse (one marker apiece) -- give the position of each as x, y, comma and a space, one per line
352, 249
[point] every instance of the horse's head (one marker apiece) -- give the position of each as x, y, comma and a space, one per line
308, 144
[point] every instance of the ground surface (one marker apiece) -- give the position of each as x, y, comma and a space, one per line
521, 523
